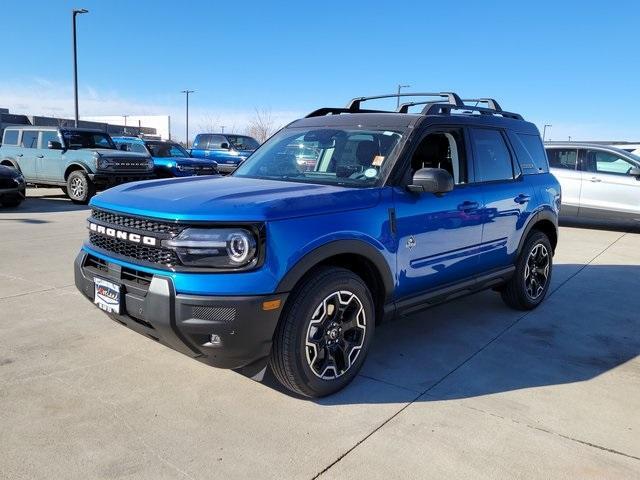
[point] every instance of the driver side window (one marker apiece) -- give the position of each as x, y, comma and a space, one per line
442, 149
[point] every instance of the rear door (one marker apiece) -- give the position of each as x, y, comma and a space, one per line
26, 155
564, 166
608, 191
508, 197
49, 163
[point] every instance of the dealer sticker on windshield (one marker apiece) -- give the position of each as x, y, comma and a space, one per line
107, 295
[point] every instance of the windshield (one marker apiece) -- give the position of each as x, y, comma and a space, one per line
240, 142
325, 156
166, 150
75, 140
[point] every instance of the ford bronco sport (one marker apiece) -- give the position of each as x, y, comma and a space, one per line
78, 160
293, 268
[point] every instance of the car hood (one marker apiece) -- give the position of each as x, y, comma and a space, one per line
232, 199
109, 153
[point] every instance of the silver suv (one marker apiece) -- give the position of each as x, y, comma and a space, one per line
598, 181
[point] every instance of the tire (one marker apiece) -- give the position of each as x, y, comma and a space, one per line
79, 188
324, 334
530, 282
12, 200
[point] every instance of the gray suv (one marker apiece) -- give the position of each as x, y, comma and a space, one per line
598, 181
78, 160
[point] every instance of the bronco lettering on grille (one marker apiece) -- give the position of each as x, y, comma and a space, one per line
122, 235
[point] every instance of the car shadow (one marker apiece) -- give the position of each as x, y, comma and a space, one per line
610, 225
38, 202
477, 346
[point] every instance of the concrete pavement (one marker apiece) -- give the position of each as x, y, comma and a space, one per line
469, 389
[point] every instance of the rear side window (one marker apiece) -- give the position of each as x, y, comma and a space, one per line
10, 137
492, 156
201, 142
566, 159
29, 139
530, 152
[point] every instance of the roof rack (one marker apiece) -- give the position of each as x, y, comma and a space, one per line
431, 107
452, 98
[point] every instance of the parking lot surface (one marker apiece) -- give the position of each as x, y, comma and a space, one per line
469, 389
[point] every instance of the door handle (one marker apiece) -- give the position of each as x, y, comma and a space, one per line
595, 179
467, 206
522, 198
20, 155
39, 156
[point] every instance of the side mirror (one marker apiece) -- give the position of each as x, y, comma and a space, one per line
54, 145
124, 147
431, 180
224, 146
634, 171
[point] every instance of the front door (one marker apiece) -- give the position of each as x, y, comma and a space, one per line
49, 163
438, 235
608, 190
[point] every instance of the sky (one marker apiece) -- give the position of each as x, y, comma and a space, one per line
571, 64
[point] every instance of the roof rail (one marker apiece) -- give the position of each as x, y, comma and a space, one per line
491, 103
404, 107
321, 112
443, 109
452, 99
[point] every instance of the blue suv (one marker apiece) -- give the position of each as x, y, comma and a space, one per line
170, 159
289, 267
229, 150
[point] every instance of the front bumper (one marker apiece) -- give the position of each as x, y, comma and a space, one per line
112, 179
151, 306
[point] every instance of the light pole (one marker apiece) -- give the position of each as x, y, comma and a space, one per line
187, 92
400, 87
76, 11
222, 128
569, 137
544, 131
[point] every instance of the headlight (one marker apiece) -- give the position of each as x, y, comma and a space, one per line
215, 247
150, 166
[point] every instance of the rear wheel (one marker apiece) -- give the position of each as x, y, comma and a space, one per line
325, 333
530, 282
80, 189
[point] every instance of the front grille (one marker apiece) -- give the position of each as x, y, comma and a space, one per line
135, 223
161, 256
130, 165
204, 170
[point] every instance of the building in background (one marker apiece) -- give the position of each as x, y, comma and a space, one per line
7, 118
161, 123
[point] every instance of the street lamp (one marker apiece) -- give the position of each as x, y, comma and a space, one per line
222, 128
187, 92
400, 87
544, 131
76, 11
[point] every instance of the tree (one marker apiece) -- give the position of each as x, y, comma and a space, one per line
262, 125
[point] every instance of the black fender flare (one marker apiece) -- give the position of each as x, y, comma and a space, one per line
339, 247
13, 163
537, 217
75, 165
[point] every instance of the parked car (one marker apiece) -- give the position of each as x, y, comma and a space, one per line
12, 187
294, 269
79, 160
598, 181
229, 150
170, 159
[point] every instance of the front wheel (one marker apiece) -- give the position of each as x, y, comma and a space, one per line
325, 333
80, 189
530, 282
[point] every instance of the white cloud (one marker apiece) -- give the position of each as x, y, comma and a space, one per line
38, 96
